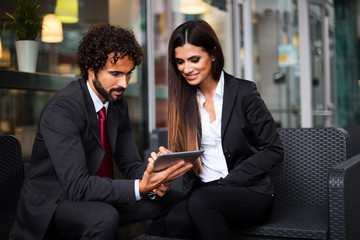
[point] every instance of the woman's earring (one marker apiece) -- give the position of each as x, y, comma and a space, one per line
213, 60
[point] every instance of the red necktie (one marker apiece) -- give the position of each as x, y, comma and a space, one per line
106, 168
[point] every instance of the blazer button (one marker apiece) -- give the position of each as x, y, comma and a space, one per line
227, 154
57, 201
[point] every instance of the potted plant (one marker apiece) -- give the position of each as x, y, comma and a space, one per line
27, 26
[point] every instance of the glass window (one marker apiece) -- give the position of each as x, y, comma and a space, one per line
276, 65
19, 113
60, 59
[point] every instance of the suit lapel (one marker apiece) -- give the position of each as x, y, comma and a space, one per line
230, 89
91, 112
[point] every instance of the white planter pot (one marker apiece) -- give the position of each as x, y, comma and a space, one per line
27, 54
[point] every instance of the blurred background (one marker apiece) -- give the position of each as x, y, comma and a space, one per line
302, 54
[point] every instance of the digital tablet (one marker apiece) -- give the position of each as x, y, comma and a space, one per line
166, 160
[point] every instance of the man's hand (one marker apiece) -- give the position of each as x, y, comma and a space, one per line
160, 182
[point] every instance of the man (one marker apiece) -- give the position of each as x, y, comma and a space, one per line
69, 191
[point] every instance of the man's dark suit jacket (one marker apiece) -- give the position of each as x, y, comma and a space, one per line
66, 156
250, 141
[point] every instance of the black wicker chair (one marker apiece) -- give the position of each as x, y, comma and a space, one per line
11, 180
317, 189
354, 132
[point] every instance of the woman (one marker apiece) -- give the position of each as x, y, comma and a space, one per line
212, 110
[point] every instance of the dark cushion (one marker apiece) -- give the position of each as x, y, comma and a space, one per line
293, 221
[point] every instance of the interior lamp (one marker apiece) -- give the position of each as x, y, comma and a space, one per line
192, 7
67, 11
52, 31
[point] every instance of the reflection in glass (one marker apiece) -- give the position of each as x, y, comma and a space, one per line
276, 62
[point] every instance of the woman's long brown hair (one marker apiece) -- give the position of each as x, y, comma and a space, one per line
183, 112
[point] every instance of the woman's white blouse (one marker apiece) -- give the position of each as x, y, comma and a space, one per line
213, 159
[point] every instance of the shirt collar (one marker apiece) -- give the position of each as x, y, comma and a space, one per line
219, 91
220, 86
98, 104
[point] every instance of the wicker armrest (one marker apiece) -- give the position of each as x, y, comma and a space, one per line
344, 199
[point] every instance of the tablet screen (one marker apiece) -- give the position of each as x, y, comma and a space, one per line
166, 160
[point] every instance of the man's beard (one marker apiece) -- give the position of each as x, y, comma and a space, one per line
107, 95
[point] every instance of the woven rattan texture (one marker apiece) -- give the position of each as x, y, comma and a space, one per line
301, 184
11, 173
344, 200
305, 222
302, 178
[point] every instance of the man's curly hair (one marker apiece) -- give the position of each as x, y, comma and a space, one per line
103, 39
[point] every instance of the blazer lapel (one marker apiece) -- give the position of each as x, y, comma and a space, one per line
230, 90
91, 112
